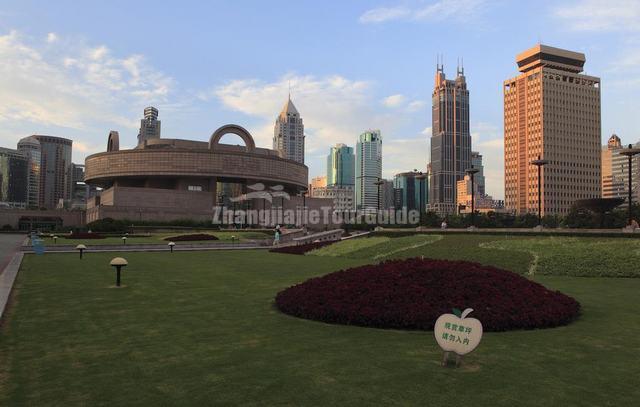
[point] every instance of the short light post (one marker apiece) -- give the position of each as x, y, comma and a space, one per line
233, 240
539, 163
630, 152
171, 244
55, 239
124, 240
81, 248
118, 263
472, 172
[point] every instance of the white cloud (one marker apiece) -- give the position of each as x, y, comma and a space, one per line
416, 105
600, 15
382, 14
404, 154
460, 10
333, 108
393, 100
68, 84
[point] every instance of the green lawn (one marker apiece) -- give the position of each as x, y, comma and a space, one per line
200, 329
158, 238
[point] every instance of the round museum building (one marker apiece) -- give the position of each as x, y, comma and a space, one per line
168, 179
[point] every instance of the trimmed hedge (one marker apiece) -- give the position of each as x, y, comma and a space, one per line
191, 238
83, 235
301, 249
412, 294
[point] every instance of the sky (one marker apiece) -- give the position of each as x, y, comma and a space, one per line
80, 69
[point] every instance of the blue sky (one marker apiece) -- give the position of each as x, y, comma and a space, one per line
79, 69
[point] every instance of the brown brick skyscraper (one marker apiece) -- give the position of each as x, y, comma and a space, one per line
551, 111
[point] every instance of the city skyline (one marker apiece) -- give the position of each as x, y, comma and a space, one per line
102, 80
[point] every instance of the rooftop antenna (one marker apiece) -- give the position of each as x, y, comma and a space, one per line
289, 89
462, 66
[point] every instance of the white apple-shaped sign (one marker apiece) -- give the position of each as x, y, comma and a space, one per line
457, 333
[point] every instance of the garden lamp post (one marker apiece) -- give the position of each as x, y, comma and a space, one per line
118, 263
124, 240
81, 248
539, 163
378, 183
55, 239
472, 172
630, 152
421, 177
233, 240
171, 244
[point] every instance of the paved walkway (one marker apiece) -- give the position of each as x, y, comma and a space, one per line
9, 244
10, 259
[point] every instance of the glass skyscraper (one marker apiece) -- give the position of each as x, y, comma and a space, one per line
368, 169
14, 175
341, 166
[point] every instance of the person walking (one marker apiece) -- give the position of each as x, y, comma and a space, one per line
276, 239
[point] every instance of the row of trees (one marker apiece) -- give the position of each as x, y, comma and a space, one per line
579, 217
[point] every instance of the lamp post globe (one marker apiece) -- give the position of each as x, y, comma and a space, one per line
378, 183
81, 248
171, 244
630, 152
118, 263
472, 172
539, 163
124, 240
421, 177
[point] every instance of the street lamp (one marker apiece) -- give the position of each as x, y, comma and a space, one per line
124, 240
378, 183
421, 177
55, 239
630, 152
472, 172
81, 248
118, 263
171, 244
539, 163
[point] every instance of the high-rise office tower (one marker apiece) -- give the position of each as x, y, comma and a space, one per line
341, 166
551, 110
450, 139
368, 169
288, 133
30, 148
55, 170
149, 125
615, 171
478, 178
411, 190
14, 175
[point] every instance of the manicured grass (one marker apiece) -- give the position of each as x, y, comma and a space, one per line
585, 256
346, 247
200, 329
375, 248
157, 238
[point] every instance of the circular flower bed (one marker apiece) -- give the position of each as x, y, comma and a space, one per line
413, 293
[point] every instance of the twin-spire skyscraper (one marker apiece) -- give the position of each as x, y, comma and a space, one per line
450, 139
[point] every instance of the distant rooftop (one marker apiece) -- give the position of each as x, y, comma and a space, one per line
556, 58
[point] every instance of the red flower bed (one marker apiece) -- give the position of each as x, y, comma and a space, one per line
190, 238
413, 293
300, 249
83, 235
